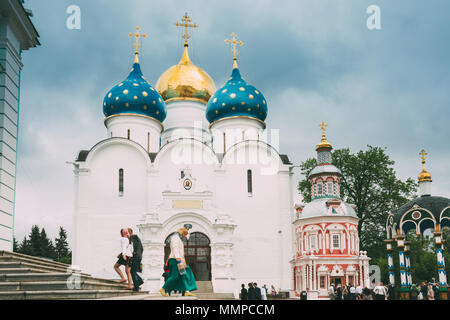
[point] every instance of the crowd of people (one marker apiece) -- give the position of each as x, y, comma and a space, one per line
253, 292
426, 291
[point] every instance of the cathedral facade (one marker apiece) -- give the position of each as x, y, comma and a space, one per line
184, 153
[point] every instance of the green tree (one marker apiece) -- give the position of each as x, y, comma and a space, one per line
369, 182
24, 247
47, 248
61, 245
15, 245
34, 242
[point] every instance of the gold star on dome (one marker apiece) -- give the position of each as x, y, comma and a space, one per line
234, 42
136, 45
186, 23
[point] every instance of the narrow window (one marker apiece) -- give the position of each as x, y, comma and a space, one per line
330, 188
148, 141
120, 182
336, 243
312, 240
224, 143
249, 182
128, 133
319, 189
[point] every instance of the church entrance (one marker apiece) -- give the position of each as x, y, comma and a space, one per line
197, 252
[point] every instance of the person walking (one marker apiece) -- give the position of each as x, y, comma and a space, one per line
251, 292
331, 293
264, 292
125, 258
257, 291
345, 293
137, 259
352, 293
391, 292
338, 292
244, 293
380, 292
367, 294
423, 292
414, 292
358, 291
273, 291
180, 277
430, 292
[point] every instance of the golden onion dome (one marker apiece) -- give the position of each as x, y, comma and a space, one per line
324, 142
185, 81
424, 176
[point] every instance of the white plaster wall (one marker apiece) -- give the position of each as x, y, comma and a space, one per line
141, 129
100, 211
185, 119
228, 132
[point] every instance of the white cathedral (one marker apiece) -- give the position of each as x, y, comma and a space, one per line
186, 154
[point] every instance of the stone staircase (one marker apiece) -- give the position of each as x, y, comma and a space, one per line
25, 277
205, 292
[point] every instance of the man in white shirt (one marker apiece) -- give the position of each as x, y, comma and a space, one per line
380, 291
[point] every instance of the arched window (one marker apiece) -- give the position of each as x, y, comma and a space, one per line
336, 188
330, 188
249, 182
319, 188
128, 133
120, 182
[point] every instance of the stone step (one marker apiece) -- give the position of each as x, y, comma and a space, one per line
214, 296
66, 294
4, 271
44, 276
5, 255
21, 264
204, 286
59, 285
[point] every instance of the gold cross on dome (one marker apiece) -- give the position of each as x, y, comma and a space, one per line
136, 46
423, 154
234, 42
323, 126
186, 23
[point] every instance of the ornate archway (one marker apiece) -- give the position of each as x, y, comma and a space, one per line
197, 251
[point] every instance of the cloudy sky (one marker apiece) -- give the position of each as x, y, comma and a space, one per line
314, 60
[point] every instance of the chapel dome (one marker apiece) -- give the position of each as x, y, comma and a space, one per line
237, 98
185, 81
136, 96
328, 207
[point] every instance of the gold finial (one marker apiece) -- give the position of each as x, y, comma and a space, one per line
186, 24
323, 143
424, 175
137, 45
235, 51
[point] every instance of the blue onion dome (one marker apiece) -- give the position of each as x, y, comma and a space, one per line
236, 98
136, 96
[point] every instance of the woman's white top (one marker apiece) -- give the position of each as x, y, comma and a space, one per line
127, 247
176, 247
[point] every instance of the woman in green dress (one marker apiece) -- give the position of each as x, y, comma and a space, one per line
180, 276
